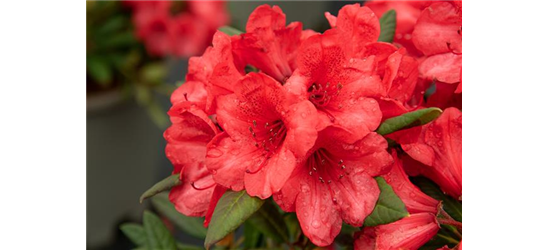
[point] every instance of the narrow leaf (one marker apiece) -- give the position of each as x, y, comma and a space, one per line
158, 236
230, 30
387, 24
231, 211
191, 225
163, 185
270, 222
389, 207
134, 232
408, 120
449, 204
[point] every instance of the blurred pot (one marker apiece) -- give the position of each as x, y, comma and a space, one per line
124, 154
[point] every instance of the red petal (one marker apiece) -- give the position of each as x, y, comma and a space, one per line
192, 91
401, 75
438, 29
188, 200
217, 194
356, 196
369, 154
301, 120
415, 200
316, 212
188, 135
272, 176
443, 67
331, 19
359, 26
228, 161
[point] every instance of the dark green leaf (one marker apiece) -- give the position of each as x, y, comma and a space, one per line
293, 225
158, 236
270, 222
99, 70
230, 30
389, 207
163, 185
134, 232
387, 24
252, 235
231, 211
449, 204
191, 225
408, 120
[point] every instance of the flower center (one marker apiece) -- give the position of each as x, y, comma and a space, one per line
321, 94
268, 137
321, 164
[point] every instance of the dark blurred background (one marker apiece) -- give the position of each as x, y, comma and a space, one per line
125, 122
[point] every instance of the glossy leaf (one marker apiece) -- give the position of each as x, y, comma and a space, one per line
449, 204
408, 120
387, 24
163, 185
231, 211
389, 207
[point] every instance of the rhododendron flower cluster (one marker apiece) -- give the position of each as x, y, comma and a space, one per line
294, 114
178, 28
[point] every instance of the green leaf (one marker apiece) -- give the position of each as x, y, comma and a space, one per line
408, 120
449, 204
99, 70
191, 225
230, 30
163, 185
158, 236
252, 235
270, 222
389, 208
157, 114
231, 211
153, 73
134, 232
387, 24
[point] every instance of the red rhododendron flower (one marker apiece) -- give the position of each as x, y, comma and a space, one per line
185, 33
436, 147
408, 233
269, 44
264, 134
338, 86
215, 70
438, 35
335, 183
187, 138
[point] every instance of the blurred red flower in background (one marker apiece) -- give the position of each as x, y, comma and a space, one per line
177, 28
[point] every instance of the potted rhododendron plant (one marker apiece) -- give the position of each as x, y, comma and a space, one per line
287, 138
